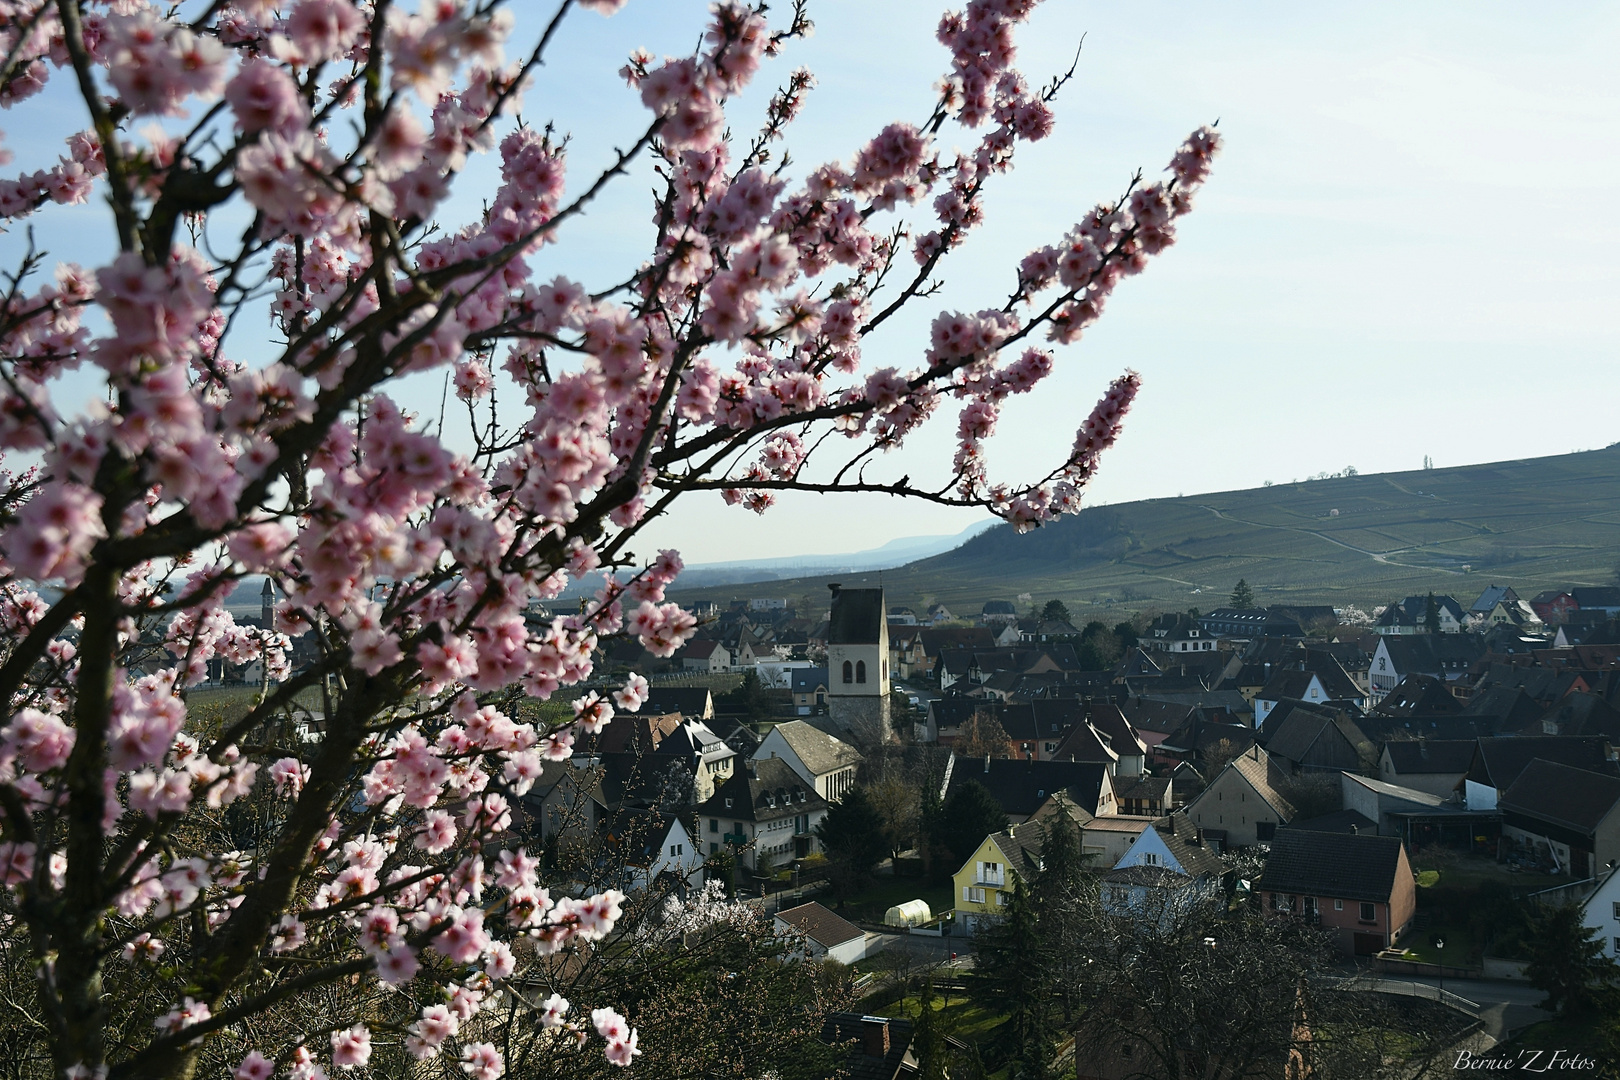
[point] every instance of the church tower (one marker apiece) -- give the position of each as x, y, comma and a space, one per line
267, 606
858, 665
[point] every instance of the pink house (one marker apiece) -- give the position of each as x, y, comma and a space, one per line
1358, 884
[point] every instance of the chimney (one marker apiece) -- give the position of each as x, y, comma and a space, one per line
1355, 830
875, 1036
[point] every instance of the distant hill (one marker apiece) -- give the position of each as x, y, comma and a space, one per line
1535, 524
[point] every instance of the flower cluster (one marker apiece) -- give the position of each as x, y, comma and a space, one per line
357, 810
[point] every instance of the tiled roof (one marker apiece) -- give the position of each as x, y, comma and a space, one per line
1563, 795
1195, 859
826, 928
1021, 844
1258, 769
820, 752
1347, 866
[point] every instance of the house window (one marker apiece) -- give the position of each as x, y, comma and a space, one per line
860, 671
849, 672
714, 824
972, 896
1150, 858
1001, 899
1338, 905
1617, 909
728, 802
714, 848
1369, 912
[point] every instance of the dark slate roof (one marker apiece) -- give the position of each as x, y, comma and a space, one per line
1419, 695
1412, 757
956, 637
1110, 722
1434, 654
1601, 596
999, 607
826, 928
1145, 714
1304, 727
694, 701
1498, 761
773, 792
806, 680
1020, 787
1346, 866
842, 1027
857, 616
1142, 787
1563, 795
1340, 821
1584, 714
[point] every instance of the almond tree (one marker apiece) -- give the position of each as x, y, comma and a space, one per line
301, 153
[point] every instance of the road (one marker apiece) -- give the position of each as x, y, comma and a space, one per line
1504, 1005
937, 949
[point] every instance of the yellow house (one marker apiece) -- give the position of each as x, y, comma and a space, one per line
984, 884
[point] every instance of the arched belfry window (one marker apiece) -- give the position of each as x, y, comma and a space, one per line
848, 671
860, 670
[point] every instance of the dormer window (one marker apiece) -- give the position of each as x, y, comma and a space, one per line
728, 802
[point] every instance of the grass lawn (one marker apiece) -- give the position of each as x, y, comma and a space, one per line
1472, 871
233, 702
965, 1019
1570, 1035
870, 903
1461, 950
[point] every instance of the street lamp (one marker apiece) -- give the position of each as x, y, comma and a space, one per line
1439, 943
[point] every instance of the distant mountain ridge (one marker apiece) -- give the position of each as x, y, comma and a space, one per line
1536, 523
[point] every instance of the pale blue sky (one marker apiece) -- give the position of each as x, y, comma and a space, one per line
1407, 248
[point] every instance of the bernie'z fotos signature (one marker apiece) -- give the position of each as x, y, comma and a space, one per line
1526, 1061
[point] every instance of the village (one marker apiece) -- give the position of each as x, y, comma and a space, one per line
1418, 782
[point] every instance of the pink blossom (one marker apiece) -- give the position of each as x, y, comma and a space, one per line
482, 1061
255, 1067
38, 741
553, 1011
622, 1052
351, 1047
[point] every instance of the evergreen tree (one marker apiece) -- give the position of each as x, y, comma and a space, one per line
970, 815
1010, 966
1055, 611
1126, 633
1431, 615
1242, 596
1567, 963
852, 833
928, 1037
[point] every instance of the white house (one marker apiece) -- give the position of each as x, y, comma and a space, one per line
1601, 912
653, 844
1163, 874
706, 655
827, 935
819, 759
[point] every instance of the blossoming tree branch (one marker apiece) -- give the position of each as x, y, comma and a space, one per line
304, 151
